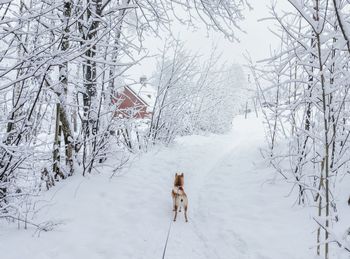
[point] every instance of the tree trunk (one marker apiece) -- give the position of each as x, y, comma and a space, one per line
57, 144
325, 110
94, 12
62, 121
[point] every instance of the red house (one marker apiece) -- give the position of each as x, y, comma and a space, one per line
135, 101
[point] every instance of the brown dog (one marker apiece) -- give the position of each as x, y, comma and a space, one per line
179, 196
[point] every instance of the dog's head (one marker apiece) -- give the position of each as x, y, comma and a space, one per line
179, 179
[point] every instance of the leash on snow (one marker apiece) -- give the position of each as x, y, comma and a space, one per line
167, 239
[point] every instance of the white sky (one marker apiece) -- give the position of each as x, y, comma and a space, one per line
257, 40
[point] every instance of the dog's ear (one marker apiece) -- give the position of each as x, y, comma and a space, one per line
175, 174
182, 174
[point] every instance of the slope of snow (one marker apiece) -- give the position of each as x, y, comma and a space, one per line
234, 212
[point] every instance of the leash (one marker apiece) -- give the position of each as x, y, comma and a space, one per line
167, 238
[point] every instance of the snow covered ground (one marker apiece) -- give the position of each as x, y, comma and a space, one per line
234, 210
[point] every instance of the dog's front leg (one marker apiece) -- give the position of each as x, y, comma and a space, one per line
175, 213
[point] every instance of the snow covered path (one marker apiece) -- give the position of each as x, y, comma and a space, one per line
234, 212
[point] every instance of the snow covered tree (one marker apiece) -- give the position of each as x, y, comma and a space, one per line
60, 64
305, 107
193, 95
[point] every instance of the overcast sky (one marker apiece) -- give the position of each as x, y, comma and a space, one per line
257, 40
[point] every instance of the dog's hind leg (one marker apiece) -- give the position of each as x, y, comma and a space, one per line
185, 211
173, 196
175, 213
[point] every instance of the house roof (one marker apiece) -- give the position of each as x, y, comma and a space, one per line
146, 92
